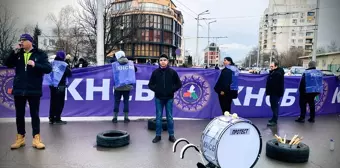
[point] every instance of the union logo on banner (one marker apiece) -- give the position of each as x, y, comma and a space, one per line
194, 94
6, 85
321, 98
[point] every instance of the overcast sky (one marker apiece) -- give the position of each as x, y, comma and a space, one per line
237, 19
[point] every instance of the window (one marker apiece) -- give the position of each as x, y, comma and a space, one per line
274, 21
166, 50
301, 34
167, 24
309, 34
309, 41
300, 40
45, 42
302, 20
167, 37
128, 50
293, 40
308, 47
293, 34
300, 47
295, 21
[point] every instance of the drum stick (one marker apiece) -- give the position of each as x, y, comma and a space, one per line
278, 138
297, 141
293, 139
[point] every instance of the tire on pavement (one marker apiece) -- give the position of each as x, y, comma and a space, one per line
152, 124
287, 154
113, 139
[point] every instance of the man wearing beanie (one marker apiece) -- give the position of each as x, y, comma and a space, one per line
57, 81
30, 66
124, 79
164, 82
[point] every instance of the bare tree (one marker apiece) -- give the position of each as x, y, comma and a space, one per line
332, 47
7, 32
28, 29
115, 31
251, 57
63, 22
321, 50
291, 58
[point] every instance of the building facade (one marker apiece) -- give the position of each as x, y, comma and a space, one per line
287, 24
326, 61
213, 52
157, 29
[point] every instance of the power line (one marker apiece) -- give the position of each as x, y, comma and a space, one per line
186, 7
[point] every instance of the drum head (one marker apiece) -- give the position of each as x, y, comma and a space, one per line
239, 146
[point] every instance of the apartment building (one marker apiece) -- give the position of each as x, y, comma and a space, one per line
287, 24
212, 55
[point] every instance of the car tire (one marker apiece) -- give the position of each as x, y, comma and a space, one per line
285, 153
152, 124
113, 139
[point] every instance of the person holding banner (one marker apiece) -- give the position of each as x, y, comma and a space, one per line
30, 66
310, 87
164, 82
124, 78
227, 85
57, 81
275, 90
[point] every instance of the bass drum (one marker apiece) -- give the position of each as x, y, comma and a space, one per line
228, 142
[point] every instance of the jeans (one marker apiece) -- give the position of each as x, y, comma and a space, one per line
304, 99
160, 104
20, 104
118, 95
57, 102
274, 104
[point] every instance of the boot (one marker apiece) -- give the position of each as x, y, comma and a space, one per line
126, 117
115, 120
19, 142
37, 142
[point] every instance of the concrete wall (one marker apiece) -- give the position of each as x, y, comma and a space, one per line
325, 62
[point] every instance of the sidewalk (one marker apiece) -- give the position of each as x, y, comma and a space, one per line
73, 145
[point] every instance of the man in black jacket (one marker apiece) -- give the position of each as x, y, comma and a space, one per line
275, 90
164, 82
30, 65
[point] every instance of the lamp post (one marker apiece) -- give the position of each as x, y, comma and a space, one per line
208, 63
198, 19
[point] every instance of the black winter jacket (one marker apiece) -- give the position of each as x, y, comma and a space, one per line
28, 82
164, 82
223, 84
275, 83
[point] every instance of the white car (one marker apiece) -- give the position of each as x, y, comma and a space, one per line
296, 71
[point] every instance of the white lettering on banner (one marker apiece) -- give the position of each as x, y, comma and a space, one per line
286, 97
140, 91
143, 94
250, 96
72, 89
336, 96
237, 101
120, 68
90, 89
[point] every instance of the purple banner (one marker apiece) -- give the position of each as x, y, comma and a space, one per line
90, 93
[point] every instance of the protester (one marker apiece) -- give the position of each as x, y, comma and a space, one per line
124, 79
30, 66
227, 85
164, 82
310, 87
275, 90
57, 81
82, 63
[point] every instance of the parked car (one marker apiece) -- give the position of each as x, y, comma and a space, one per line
296, 71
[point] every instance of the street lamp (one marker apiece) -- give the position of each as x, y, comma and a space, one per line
198, 19
209, 41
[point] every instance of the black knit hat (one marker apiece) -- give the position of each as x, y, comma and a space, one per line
163, 56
